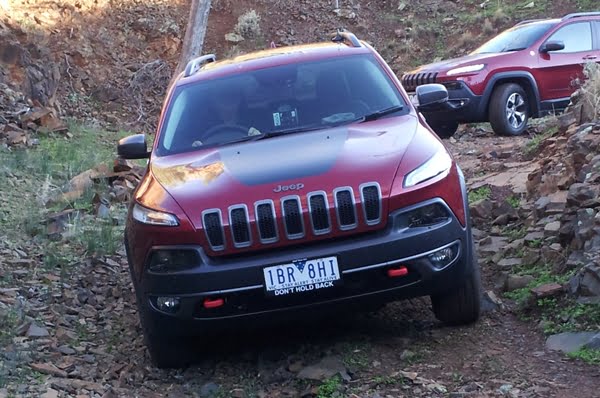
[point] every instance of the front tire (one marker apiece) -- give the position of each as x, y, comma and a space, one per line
462, 304
509, 109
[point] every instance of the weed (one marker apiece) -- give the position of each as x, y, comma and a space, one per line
248, 25
330, 388
481, 193
588, 355
488, 28
590, 91
355, 356
535, 243
514, 201
515, 232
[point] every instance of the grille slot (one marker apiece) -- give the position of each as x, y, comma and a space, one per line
292, 217
345, 208
265, 219
412, 81
371, 201
319, 213
240, 229
213, 227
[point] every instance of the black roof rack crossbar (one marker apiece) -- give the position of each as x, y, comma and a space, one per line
195, 64
581, 14
528, 21
344, 36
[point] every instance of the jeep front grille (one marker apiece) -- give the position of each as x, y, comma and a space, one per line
213, 228
319, 213
265, 219
412, 81
346, 210
292, 217
318, 207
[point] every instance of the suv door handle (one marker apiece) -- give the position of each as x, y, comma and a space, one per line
590, 57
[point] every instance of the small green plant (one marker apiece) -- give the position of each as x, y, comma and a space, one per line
330, 388
514, 201
536, 243
481, 193
590, 356
515, 232
248, 25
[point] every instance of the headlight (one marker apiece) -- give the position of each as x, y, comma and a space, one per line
153, 217
436, 165
465, 69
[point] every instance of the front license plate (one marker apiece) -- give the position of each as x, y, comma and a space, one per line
301, 276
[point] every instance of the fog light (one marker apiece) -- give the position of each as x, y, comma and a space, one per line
443, 257
168, 304
163, 261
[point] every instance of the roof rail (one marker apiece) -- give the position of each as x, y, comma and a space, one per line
581, 14
195, 64
344, 36
528, 21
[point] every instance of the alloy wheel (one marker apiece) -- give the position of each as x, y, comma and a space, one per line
516, 110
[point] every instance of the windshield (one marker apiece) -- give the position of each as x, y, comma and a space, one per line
287, 98
516, 38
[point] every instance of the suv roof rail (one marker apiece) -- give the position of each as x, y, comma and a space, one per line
581, 14
529, 21
344, 36
195, 64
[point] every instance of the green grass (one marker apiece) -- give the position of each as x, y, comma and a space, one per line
481, 193
515, 232
331, 388
587, 355
514, 201
35, 179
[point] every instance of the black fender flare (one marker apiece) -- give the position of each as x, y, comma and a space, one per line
532, 90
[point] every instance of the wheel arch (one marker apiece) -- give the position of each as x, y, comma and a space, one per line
522, 78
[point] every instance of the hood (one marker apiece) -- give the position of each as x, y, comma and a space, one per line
294, 164
446, 65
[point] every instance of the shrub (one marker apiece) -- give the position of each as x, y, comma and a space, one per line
590, 91
248, 25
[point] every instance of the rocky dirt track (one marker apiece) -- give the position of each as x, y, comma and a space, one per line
81, 335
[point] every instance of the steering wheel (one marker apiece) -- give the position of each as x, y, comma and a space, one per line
224, 132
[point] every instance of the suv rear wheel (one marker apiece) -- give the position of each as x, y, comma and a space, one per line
509, 109
443, 129
461, 305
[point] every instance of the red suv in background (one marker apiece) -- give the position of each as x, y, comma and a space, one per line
529, 70
288, 180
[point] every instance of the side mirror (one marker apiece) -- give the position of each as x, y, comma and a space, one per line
133, 147
431, 96
552, 46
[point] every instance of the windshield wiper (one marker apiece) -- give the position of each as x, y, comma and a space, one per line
380, 114
514, 49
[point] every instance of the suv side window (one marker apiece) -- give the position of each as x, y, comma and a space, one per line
576, 36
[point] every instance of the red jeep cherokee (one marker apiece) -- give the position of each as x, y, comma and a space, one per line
529, 70
288, 180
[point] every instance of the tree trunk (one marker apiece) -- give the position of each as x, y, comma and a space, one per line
194, 34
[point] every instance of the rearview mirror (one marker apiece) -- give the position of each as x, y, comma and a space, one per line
552, 46
133, 147
431, 96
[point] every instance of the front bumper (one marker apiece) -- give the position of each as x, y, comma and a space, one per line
363, 262
463, 106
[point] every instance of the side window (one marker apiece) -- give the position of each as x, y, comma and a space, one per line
577, 37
